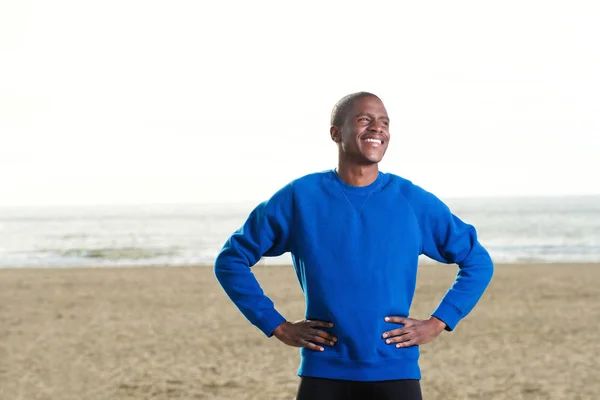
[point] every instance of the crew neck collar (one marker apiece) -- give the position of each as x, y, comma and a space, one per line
350, 188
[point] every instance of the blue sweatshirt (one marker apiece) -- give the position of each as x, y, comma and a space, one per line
355, 251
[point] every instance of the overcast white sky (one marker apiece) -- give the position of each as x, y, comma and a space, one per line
126, 102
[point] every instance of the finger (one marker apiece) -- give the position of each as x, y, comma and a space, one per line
396, 320
314, 323
396, 332
312, 346
399, 339
319, 339
324, 334
408, 343
319, 336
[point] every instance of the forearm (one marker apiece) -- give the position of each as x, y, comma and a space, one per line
242, 287
474, 275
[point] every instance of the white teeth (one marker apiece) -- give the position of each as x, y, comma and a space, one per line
373, 141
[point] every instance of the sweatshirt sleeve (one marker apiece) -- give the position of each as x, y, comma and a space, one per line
447, 239
266, 232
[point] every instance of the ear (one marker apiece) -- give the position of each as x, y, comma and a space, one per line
336, 134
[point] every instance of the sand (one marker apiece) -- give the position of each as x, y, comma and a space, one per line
171, 333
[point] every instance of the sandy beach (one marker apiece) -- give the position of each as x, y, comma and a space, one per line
171, 333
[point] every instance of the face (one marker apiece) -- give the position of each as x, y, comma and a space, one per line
365, 134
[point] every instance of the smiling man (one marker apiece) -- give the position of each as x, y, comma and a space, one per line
355, 235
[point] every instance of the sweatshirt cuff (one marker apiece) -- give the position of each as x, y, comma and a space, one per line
270, 320
449, 314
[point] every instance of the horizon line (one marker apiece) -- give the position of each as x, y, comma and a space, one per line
251, 202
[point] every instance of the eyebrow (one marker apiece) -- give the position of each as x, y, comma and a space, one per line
371, 115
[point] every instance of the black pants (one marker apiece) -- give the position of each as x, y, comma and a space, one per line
333, 389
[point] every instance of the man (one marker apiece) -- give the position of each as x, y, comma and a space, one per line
355, 235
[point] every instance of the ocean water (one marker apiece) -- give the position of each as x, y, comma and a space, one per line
513, 230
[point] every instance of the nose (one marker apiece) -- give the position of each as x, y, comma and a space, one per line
376, 126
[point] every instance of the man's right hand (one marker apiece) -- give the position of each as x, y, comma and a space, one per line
304, 334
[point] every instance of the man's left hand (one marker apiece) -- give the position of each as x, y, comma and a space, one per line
414, 332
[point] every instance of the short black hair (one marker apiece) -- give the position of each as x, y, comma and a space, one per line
344, 105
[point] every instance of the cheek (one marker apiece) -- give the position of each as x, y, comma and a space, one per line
350, 137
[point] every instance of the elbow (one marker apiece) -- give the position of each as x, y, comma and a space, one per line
490, 271
482, 264
487, 267
229, 263
485, 260
220, 267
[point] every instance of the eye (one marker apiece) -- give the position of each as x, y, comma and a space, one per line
363, 119
386, 123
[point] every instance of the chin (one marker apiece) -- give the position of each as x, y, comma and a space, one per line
373, 159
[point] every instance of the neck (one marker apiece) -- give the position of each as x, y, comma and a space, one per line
357, 175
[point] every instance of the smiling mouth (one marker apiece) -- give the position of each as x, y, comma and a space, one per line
373, 141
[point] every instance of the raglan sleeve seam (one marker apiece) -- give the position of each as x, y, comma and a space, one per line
414, 213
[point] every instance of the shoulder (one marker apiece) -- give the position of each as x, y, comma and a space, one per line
313, 178
311, 182
416, 195
302, 185
400, 184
